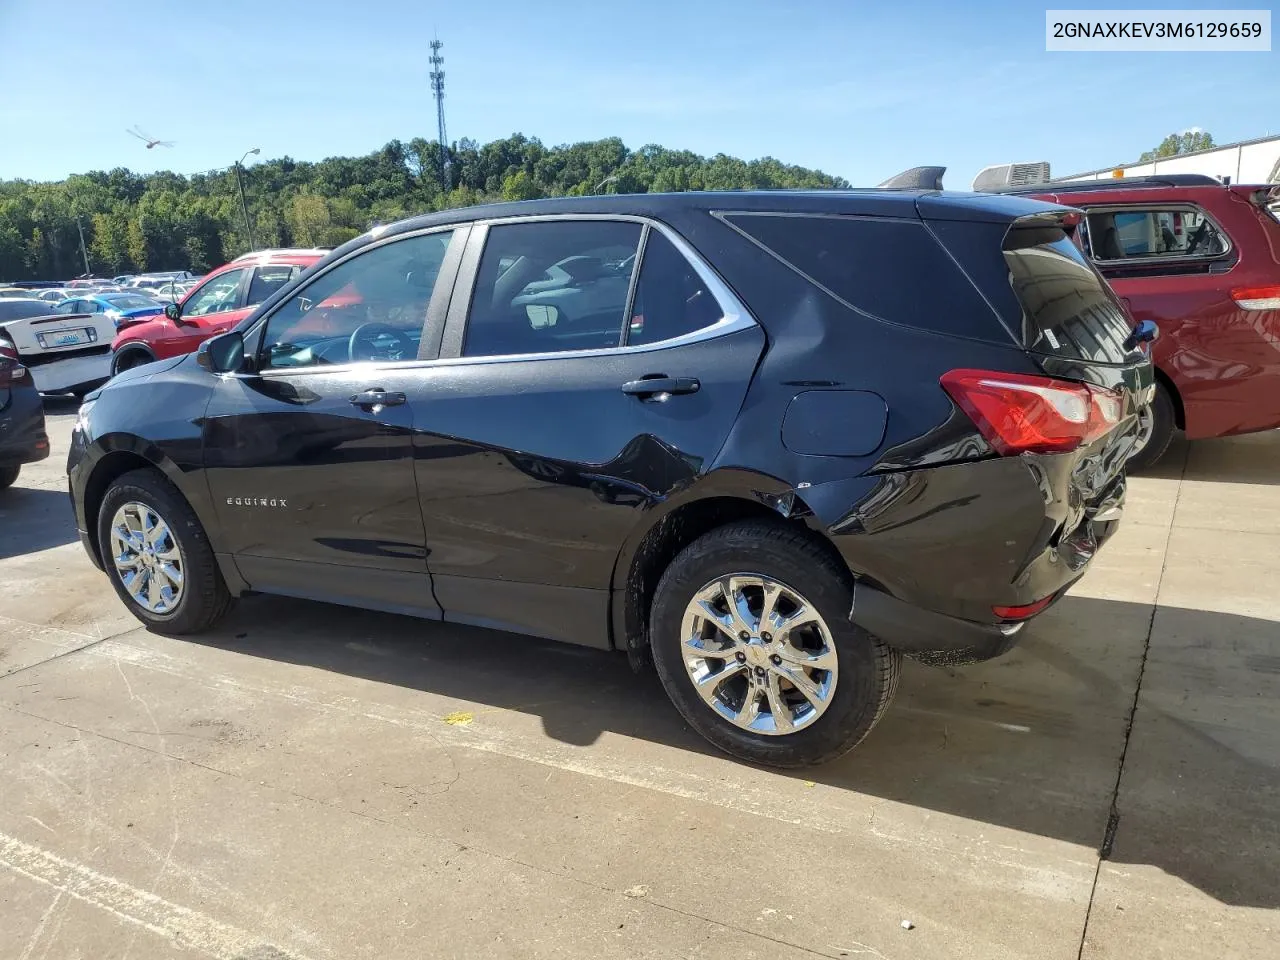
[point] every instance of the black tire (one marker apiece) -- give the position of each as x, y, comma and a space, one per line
1161, 431
8, 476
204, 599
129, 358
868, 669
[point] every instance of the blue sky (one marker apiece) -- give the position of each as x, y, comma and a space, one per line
862, 90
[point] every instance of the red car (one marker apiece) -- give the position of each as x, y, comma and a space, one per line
1201, 259
222, 299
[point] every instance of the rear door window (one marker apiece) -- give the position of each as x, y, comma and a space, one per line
552, 286
1119, 236
671, 298
267, 280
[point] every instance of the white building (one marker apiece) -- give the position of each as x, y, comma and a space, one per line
1250, 161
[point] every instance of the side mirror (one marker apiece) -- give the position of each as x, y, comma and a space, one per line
222, 354
541, 315
174, 312
1144, 332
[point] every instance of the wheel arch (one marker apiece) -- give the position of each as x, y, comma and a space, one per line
1179, 412
128, 348
721, 497
121, 454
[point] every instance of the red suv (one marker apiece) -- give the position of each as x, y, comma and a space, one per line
218, 303
1201, 259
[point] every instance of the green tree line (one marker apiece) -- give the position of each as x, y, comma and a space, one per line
166, 221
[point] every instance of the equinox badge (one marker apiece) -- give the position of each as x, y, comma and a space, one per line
255, 502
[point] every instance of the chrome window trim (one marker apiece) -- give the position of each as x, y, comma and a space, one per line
1172, 206
734, 315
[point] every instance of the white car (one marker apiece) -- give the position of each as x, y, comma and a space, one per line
173, 291
66, 353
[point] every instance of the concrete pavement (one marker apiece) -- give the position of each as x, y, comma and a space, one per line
319, 782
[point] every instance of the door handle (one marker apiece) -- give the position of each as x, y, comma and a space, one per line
376, 398
650, 388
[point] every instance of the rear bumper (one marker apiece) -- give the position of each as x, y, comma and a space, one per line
61, 375
921, 633
22, 433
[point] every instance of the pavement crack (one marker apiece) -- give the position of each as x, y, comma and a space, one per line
57, 656
64, 653
1113, 814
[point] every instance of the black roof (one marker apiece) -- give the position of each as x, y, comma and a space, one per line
1117, 183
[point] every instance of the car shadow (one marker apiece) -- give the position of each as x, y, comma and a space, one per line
34, 518
1032, 741
1250, 458
57, 404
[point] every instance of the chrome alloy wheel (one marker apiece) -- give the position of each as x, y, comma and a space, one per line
759, 654
146, 557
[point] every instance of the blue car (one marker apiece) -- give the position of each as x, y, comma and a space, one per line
122, 309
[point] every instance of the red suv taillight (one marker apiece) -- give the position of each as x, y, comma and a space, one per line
1257, 298
1018, 413
11, 367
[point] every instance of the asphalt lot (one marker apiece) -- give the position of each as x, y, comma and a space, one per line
317, 782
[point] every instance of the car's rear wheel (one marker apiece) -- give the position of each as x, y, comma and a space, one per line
158, 557
8, 476
1155, 430
129, 358
751, 637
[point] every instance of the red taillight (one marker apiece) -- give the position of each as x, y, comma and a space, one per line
1257, 298
1018, 413
1024, 611
11, 367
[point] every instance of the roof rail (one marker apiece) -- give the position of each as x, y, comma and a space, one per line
917, 178
275, 251
1117, 183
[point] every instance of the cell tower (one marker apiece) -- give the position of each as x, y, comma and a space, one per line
437, 91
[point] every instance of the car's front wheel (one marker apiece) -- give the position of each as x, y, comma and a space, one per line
751, 636
158, 557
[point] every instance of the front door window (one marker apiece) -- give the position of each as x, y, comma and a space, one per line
371, 307
218, 295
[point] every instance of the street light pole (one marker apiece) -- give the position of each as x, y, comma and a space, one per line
84, 253
244, 204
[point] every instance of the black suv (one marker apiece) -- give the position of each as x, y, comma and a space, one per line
772, 441
22, 436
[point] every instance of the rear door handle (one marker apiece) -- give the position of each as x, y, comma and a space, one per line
375, 399
648, 388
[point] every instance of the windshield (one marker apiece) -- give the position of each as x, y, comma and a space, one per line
21, 309
131, 303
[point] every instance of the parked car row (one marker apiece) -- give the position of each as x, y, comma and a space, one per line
214, 305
